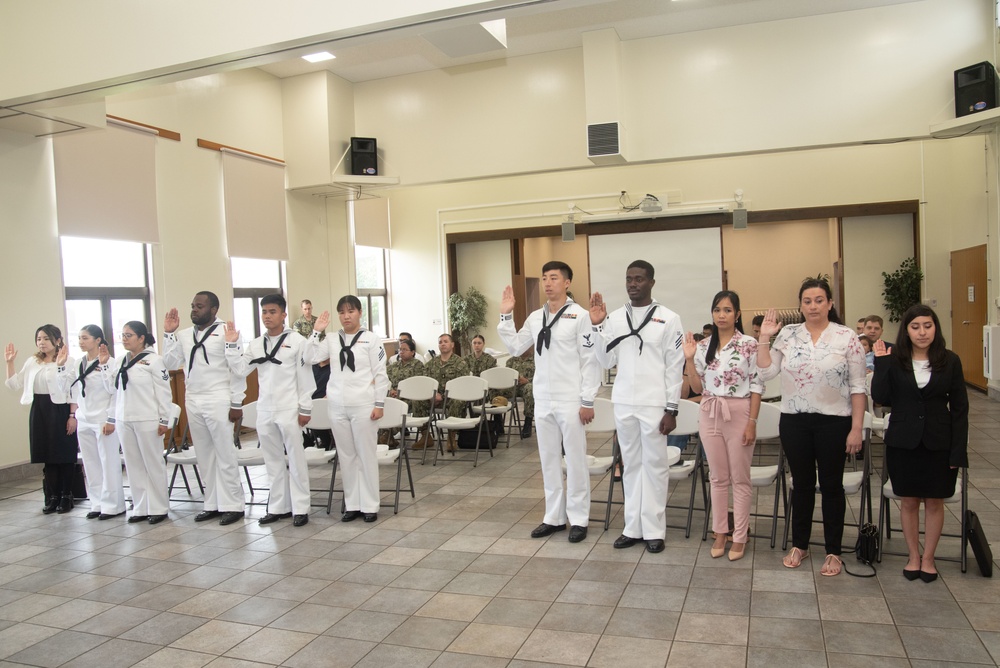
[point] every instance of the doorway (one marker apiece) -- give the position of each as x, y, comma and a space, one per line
968, 311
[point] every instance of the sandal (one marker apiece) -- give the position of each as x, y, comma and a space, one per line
832, 566
794, 558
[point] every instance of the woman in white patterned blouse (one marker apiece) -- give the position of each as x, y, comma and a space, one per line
823, 400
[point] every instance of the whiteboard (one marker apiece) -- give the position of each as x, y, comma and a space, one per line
687, 265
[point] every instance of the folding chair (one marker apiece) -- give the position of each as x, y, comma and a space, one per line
247, 457
766, 476
319, 457
419, 388
501, 378
181, 455
687, 425
467, 390
603, 422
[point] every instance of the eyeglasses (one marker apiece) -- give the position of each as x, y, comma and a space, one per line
127, 335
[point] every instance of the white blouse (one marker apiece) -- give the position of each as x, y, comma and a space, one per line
922, 372
820, 377
733, 372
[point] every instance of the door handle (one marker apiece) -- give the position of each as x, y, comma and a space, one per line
966, 322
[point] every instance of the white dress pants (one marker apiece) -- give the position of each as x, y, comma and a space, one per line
279, 432
103, 467
147, 472
645, 473
357, 437
559, 428
212, 434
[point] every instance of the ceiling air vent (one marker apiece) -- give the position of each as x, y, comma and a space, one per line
604, 143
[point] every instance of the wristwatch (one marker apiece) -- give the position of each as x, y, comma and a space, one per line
671, 411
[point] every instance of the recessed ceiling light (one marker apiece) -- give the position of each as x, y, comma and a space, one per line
319, 57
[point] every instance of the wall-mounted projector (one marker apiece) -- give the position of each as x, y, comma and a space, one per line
650, 204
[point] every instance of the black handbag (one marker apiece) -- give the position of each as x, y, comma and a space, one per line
980, 546
866, 547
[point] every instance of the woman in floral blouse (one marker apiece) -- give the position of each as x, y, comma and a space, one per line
723, 368
823, 401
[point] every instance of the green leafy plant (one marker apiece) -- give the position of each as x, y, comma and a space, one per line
466, 313
902, 288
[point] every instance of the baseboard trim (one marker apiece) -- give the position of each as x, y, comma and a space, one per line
20, 472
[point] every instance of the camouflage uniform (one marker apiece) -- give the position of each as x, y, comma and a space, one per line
445, 371
526, 368
477, 366
400, 370
305, 327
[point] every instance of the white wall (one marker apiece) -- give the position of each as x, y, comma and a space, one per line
486, 265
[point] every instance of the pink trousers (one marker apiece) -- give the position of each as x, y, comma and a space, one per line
722, 423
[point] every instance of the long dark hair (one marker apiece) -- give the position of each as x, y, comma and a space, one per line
824, 285
713, 343
55, 336
141, 331
937, 353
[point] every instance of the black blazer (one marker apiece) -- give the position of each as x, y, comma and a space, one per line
937, 415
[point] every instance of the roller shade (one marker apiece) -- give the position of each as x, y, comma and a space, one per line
255, 206
106, 185
370, 218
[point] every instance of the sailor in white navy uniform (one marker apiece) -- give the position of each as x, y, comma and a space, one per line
283, 407
355, 398
567, 377
94, 407
142, 417
213, 396
644, 340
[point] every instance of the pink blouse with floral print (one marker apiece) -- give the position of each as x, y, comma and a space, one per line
733, 372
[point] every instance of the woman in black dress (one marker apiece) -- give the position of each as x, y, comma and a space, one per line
928, 433
51, 424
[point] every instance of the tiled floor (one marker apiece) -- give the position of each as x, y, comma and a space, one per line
455, 580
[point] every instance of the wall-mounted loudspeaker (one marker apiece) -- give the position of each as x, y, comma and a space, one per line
976, 89
569, 231
364, 156
739, 219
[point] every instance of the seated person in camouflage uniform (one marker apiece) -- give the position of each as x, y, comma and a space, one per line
445, 367
525, 367
479, 361
407, 366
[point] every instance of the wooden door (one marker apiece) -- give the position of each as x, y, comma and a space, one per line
968, 311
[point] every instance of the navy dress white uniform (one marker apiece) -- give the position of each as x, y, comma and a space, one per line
95, 407
645, 343
567, 377
142, 404
286, 387
211, 389
358, 384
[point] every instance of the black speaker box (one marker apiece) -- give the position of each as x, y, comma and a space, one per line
364, 156
976, 89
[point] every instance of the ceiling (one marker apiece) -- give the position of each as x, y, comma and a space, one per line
549, 26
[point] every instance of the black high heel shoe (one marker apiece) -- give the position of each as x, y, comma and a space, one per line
911, 575
928, 577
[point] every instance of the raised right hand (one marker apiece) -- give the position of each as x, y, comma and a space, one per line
102, 354
232, 334
770, 326
10, 352
598, 310
690, 346
879, 348
62, 356
322, 322
171, 321
507, 301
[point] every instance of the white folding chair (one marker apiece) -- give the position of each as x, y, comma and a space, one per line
604, 422
687, 425
766, 476
419, 388
247, 457
501, 378
467, 390
318, 457
181, 456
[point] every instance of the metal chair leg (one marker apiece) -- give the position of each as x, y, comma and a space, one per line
333, 480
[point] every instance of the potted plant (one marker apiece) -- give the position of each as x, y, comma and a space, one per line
902, 288
466, 314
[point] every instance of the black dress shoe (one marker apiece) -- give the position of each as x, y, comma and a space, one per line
928, 577
135, 519
108, 516
156, 519
51, 506
543, 530
206, 515
93, 514
911, 575
350, 516
273, 517
371, 517
65, 504
300, 520
654, 546
576, 534
231, 516
624, 541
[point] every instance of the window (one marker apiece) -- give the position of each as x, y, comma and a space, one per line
252, 280
107, 284
373, 290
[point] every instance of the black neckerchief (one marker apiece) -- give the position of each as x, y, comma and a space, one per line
545, 335
200, 344
634, 331
123, 370
269, 356
84, 372
346, 354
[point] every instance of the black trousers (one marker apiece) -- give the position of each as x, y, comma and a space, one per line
815, 442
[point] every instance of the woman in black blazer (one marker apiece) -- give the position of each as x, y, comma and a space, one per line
928, 433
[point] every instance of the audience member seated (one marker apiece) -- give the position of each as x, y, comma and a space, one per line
755, 325
873, 330
406, 366
525, 367
444, 367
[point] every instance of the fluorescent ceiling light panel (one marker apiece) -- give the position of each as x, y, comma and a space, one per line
319, 57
